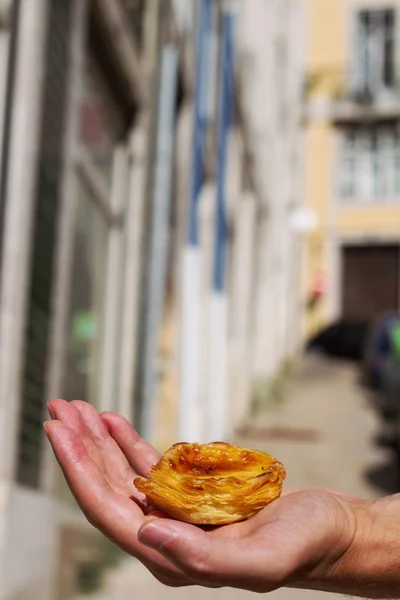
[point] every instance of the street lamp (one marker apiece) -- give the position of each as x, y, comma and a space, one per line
303, 220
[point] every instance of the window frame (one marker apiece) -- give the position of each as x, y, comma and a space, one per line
106, 199
378, 138
356, 9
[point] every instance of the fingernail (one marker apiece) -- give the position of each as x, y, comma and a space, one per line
52, 412
45, 427
155, 535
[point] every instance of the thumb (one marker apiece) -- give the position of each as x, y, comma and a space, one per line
242, 563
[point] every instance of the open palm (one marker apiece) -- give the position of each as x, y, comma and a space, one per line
99, 456
296, 537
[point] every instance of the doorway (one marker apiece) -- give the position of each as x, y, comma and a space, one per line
370, 282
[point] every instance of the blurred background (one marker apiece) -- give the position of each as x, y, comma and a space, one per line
200, 230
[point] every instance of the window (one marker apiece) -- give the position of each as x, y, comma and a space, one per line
101, 125
87, 300
348, 165
370, 163
374, 64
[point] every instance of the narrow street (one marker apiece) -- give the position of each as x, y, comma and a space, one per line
325, 433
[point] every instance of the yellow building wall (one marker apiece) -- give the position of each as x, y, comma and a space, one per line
369, 220
328, 34
319, 150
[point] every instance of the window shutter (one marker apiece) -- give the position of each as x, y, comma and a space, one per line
50, 165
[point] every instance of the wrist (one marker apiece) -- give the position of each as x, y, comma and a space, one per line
370, 564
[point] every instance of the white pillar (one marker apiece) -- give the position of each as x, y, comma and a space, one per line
294, 296
217, 426
183, 165
241, 307
207, 204
189, 415
111, 356
22, 164
182, 181
133, 251
267, 296
18, 504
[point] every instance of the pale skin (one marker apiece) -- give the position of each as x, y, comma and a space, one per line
320, 540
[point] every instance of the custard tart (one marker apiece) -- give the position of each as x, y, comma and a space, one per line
212, 484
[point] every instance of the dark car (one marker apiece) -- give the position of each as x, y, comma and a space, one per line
377, 349
343, 339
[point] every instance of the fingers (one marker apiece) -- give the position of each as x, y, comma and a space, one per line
115, 462
141, 455
98, 431
86, 481
214, 560
83, 418
116, 516
91, 418
67, 413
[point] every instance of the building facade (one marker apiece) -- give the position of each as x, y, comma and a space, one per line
272, 67
78, 106
351, 259
264, 175
101, 182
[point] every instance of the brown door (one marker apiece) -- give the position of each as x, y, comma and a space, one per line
370, 281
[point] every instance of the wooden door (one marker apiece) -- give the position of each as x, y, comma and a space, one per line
370, 281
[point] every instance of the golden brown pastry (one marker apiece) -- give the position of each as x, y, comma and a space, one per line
213, 484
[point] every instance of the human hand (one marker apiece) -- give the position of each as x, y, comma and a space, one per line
299, 540
99, 456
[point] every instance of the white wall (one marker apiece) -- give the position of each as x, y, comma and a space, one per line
26, 517
270, 34
27, 524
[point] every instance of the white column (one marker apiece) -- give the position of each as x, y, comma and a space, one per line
293, 338
207, 204
241, 307
281, 241
113, 330
268, 296
183, 165
216, 426
15, 572
182, 181
131, 282
258, 33
197, 269
183, 168
25, 131
189, 416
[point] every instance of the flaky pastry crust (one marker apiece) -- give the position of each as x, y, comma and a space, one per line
212, 484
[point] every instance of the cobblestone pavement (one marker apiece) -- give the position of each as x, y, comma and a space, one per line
324, 434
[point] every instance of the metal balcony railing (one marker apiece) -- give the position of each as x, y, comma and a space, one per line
351, 96
345, 85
